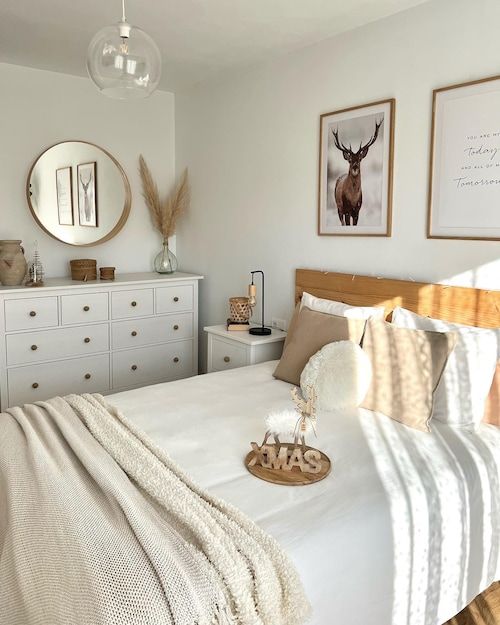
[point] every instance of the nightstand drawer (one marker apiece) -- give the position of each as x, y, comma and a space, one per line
137, 303
39, 382
30, 347
84, 308
226, 355
27, 314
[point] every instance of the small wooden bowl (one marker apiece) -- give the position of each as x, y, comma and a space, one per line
107, 273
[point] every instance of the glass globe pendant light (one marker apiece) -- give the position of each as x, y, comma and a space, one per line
123, 61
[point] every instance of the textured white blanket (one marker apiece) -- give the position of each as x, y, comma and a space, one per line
99, 527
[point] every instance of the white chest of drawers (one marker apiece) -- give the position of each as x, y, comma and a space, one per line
74, 337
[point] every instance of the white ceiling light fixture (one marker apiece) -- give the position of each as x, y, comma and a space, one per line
123, 61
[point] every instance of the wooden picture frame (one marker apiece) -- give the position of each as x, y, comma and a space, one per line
87, 194
64, 192
464, 165
364, 206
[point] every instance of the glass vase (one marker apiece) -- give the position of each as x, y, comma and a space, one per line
165, 261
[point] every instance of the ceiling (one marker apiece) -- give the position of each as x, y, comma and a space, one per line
199, 39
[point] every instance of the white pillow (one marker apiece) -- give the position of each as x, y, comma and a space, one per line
460, 397
340, 373
340, 309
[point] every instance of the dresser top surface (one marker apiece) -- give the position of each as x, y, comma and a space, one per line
121, 279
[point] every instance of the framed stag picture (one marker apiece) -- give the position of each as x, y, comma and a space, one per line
87, 194
355, 170
464, 182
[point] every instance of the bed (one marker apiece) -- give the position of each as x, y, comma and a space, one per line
406, 529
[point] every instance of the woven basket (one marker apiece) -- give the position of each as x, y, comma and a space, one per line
83, 269
239, 309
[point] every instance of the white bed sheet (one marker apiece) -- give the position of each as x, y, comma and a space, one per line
404, 531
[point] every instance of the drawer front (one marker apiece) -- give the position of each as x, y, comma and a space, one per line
31, 347
226, 355
137, 303
148, 365
26, 314
174, 298
138, 332
39, 382
84, 308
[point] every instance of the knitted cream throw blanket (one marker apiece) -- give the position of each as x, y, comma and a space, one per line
99, 527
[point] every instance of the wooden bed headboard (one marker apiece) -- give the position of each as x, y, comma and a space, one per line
474, 307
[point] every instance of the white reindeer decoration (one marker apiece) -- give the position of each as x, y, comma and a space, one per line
286, 424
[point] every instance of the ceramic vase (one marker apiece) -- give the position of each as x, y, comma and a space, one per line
12, 263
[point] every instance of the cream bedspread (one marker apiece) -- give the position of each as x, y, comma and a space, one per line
405, 530
99, 527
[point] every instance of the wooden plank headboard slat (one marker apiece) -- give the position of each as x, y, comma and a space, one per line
466, 305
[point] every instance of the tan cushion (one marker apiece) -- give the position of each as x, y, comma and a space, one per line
492, 407
312, 331
291, 325
407, 366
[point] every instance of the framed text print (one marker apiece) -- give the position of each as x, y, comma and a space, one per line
355, 170
464, 186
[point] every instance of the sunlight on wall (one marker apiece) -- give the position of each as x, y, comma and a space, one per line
485, 276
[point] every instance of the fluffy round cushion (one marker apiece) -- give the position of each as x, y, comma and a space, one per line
340, 373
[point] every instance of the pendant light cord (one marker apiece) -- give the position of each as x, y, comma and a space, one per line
124, 18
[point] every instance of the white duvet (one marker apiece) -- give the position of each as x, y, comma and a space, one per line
404, 531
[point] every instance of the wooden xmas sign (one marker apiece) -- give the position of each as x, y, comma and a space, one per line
287, 464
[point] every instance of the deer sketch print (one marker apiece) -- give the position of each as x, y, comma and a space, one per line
348, 191
87, 209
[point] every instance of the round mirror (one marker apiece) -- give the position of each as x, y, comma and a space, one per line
78, 193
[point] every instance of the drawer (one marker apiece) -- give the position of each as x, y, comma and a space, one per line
226, 355
147, 365
138, 332
29, 347
137, 303
174, 298
38, 382
84, 308
25, 314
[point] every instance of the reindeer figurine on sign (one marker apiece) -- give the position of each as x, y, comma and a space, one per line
290, 463
348, 192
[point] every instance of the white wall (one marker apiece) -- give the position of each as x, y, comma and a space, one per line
251, 145
40, 108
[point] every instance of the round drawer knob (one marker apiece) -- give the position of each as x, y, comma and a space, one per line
34, 348
86, 308
176, 359
87, 376
227, 359
133, 303
34, 385
176, 299
176, 327
134, 367
134, 333
33, 313
86, 340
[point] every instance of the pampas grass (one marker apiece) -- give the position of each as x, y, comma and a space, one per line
164, 213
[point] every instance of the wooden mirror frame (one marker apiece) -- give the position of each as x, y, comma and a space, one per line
126, 205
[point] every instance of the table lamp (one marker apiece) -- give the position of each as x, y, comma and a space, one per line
252, 294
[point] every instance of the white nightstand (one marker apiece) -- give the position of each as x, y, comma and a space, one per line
228, 350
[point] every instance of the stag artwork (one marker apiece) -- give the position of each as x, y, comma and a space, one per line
348, 191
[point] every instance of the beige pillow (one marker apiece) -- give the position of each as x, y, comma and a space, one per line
312, 331
407, 366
